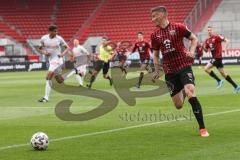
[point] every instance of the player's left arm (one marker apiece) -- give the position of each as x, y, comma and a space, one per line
66, 48
225, 46
194, 43
185, 32
65, 51
150, 50
205, 47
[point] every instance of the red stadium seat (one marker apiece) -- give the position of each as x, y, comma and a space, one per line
120, 19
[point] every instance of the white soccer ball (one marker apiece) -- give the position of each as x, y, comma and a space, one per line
39, 141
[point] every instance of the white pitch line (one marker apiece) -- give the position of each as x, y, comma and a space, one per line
44, 107
116, 130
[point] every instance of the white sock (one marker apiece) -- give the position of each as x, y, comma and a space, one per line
47, 89
79, 79
67, 75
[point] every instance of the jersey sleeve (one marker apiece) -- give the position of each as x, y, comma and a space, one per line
220, 38
154, 42
184, 31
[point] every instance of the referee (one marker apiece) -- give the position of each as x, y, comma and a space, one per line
104, 57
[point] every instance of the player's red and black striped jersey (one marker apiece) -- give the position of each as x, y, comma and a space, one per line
122, 53
143, 49
170, 42
199, 50
214, 43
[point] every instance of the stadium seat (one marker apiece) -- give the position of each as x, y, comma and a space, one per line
121, 18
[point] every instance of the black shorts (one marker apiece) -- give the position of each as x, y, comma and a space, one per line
217, 63
98, 65
105, 67
198, 56
177, 81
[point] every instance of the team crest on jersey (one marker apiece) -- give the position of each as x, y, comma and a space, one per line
172, 32
190, 75
213, 40
167, 43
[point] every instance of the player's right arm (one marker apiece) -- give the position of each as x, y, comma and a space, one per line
156, 48
134, 48
41, 48
205, 46
157, 65
227, 41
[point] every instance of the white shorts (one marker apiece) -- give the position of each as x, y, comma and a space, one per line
82, 69
55, 65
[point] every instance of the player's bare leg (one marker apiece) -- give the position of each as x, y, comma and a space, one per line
92, 79
106, 67
208, 70
72, 72
143, 68
59, 78
149, 68
121, 66
196, 107
229, 79
178, 99
189, 92
106, 76
200, 62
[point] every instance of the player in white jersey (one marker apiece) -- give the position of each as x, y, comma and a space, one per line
81, 58
51, 47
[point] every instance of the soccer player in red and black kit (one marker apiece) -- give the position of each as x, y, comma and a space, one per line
199, 53
177, 61
214, 45
121, 53
143, 49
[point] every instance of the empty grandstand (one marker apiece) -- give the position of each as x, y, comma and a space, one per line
24, 21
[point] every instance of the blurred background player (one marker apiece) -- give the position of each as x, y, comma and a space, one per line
105, 55
143, 49
121, 54
177, 62
214, 45
80, 57
51, 47
199, 53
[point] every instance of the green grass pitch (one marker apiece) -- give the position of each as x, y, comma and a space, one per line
113, 136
